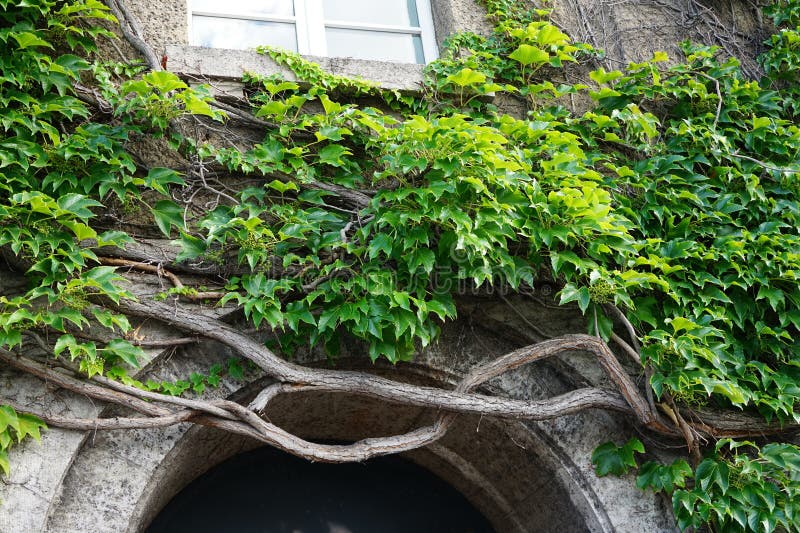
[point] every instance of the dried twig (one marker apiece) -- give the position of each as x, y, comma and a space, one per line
160, 271
765, 165
719, 98
132, 31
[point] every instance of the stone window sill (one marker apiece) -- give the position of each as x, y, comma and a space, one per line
228, 65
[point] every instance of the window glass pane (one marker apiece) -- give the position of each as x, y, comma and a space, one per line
217, 32
241, 7
390, 12
378, 45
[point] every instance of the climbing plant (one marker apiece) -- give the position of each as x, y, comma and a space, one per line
665, 209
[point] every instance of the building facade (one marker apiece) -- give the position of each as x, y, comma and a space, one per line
522, 476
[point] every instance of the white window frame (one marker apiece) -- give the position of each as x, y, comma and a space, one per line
310, 26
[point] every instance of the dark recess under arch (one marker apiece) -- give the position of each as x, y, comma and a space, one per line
268, 491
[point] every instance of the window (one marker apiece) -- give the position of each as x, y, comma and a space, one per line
384, 30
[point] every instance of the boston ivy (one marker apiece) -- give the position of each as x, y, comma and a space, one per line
674, 198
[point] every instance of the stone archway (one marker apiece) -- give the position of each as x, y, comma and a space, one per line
503, 469
493, 464
521, 476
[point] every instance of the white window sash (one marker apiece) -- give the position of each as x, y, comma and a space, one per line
260, 18
316, 43
425, 17
372, 27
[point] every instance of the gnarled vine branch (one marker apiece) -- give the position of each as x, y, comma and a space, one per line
293, 379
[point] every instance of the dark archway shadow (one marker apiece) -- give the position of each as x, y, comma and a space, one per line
268, 491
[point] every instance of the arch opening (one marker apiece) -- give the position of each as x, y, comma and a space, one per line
268, 491
501, 469
521, 476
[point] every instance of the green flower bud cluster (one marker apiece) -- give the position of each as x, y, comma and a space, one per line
602, 292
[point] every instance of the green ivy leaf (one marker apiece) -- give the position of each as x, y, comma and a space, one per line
467, 77
380, 243
167, 214
712, 472
78, 205
124, 350
609, 458
159, 179
605, 326
659, 477
64, 342
28, 39
191, 247
4, 464
164, 81
29, 425
8, 419
571, 293
528, 55
197, 106
332, 155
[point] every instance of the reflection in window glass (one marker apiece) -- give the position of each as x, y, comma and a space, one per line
239, 7
389, 12
380, 46
214, 32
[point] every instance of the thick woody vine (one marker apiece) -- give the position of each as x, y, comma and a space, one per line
667, 214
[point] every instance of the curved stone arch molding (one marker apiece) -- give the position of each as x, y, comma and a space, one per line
487, 490
39, 469
119, 480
